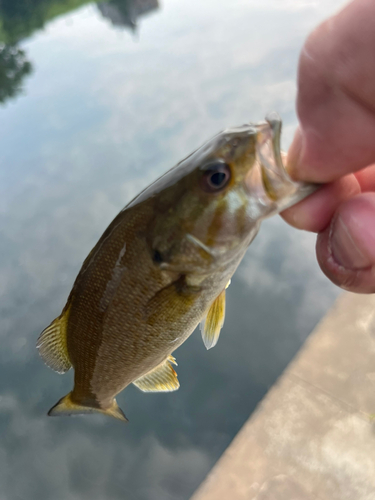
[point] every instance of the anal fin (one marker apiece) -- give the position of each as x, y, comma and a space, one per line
172, 360
163, 378
67, 407
213, 323
52, 344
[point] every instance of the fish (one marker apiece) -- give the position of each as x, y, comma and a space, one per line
162, 267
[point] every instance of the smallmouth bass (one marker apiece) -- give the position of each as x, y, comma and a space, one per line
162, 267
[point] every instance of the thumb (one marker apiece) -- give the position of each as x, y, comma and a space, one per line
346, 249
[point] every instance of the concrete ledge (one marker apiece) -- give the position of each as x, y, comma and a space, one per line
313, 436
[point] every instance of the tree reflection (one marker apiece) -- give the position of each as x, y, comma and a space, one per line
20, 18
13, 68
126, 12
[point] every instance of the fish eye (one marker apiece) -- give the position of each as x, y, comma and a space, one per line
216, 176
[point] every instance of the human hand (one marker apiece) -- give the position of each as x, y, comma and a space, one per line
335, 144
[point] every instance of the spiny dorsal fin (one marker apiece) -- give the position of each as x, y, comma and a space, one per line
212, 324
163, 378
52, 344
67, 407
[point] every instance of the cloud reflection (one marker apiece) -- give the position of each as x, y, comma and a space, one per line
103, 117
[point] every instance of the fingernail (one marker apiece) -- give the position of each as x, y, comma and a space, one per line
294, 154
344, 249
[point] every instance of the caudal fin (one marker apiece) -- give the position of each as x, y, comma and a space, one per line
67, 407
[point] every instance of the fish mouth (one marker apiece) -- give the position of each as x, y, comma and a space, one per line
269, 179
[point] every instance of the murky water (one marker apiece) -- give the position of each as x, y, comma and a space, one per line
98, 100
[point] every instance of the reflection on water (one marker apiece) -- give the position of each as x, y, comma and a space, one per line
13, 68
20, 18
126, 12
102, 116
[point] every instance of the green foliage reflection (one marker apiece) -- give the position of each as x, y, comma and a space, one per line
13, 68
20, 18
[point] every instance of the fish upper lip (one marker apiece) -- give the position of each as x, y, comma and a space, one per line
269, 180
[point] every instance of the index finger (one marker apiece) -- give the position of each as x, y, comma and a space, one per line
336, 97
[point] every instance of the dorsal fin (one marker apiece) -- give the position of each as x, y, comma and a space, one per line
52, 344
212, 324
163, 378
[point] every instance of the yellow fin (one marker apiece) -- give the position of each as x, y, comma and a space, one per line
172, 360
67, 407
52, 344
211, 326
163, 378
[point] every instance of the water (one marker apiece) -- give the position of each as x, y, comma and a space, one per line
96, 104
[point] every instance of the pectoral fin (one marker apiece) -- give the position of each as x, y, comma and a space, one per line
171, 302
163, 378
52, 344
212, 324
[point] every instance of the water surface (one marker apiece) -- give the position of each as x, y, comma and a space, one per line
97, 101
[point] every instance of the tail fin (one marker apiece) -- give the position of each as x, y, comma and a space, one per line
67, 407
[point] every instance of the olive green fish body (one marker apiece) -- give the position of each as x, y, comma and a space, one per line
162, 266
126, 318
